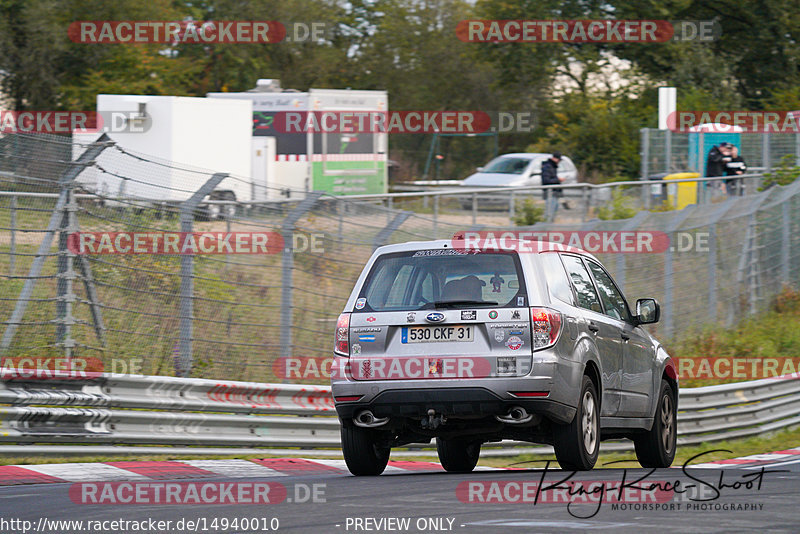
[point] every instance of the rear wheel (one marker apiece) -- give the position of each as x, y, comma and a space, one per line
656, 448
577, 444
458, 455
362, 454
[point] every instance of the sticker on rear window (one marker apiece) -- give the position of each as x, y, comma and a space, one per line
443, 252
360, 303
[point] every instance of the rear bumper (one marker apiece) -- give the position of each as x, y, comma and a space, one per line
452, 402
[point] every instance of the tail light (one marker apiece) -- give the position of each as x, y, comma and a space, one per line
545, 325
342, 336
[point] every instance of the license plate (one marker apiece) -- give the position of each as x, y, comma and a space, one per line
436, 334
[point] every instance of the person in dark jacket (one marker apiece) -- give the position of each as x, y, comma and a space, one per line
734, 167
718, 156
550, 177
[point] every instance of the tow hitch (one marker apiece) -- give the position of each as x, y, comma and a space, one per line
433, 421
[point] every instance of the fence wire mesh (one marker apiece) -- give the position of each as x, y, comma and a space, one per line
234, 316
667, 152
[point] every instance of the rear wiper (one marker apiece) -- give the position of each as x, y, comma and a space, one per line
457, 303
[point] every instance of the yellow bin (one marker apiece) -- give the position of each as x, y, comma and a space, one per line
682, 194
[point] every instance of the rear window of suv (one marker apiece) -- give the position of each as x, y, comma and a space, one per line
427, 279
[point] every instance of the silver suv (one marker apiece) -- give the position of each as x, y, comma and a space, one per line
531, 342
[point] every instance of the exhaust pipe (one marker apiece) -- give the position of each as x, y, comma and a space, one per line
517, 415
366, 419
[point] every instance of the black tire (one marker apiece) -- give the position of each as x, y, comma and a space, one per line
656, 448
362, 454
458, 455
577, 444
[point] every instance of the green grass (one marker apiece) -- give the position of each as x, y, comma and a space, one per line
774, 333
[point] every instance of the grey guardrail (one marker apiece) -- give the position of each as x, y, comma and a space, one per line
106, 413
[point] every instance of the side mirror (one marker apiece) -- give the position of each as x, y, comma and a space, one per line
647, 311
478, 169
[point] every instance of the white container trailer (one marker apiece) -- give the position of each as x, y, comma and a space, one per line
337, 162
182, 141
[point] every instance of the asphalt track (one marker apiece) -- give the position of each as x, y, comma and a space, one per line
432, 504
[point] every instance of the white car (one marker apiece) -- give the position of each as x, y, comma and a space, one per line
520, 169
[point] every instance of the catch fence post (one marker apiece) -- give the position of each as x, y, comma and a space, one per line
186, 306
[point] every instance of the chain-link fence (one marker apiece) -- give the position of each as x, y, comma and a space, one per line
233, 316
667, 152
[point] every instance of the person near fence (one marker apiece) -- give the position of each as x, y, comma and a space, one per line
550, 177
735, 167
718, 156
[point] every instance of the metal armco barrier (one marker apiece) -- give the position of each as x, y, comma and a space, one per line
50, 416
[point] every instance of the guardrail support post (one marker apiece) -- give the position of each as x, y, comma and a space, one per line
474, 207
797, 149
645, 153
587, 202
667, 150
186, 308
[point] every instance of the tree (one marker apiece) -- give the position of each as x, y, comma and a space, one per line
37, 59
758, 45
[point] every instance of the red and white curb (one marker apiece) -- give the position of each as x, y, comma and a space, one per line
754, 460
182, 469
272, 467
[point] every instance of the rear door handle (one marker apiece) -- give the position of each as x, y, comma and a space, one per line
624, 335
593, 327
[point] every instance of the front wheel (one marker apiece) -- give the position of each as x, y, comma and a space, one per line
577, 444
458, 455
362, 454
656, 448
